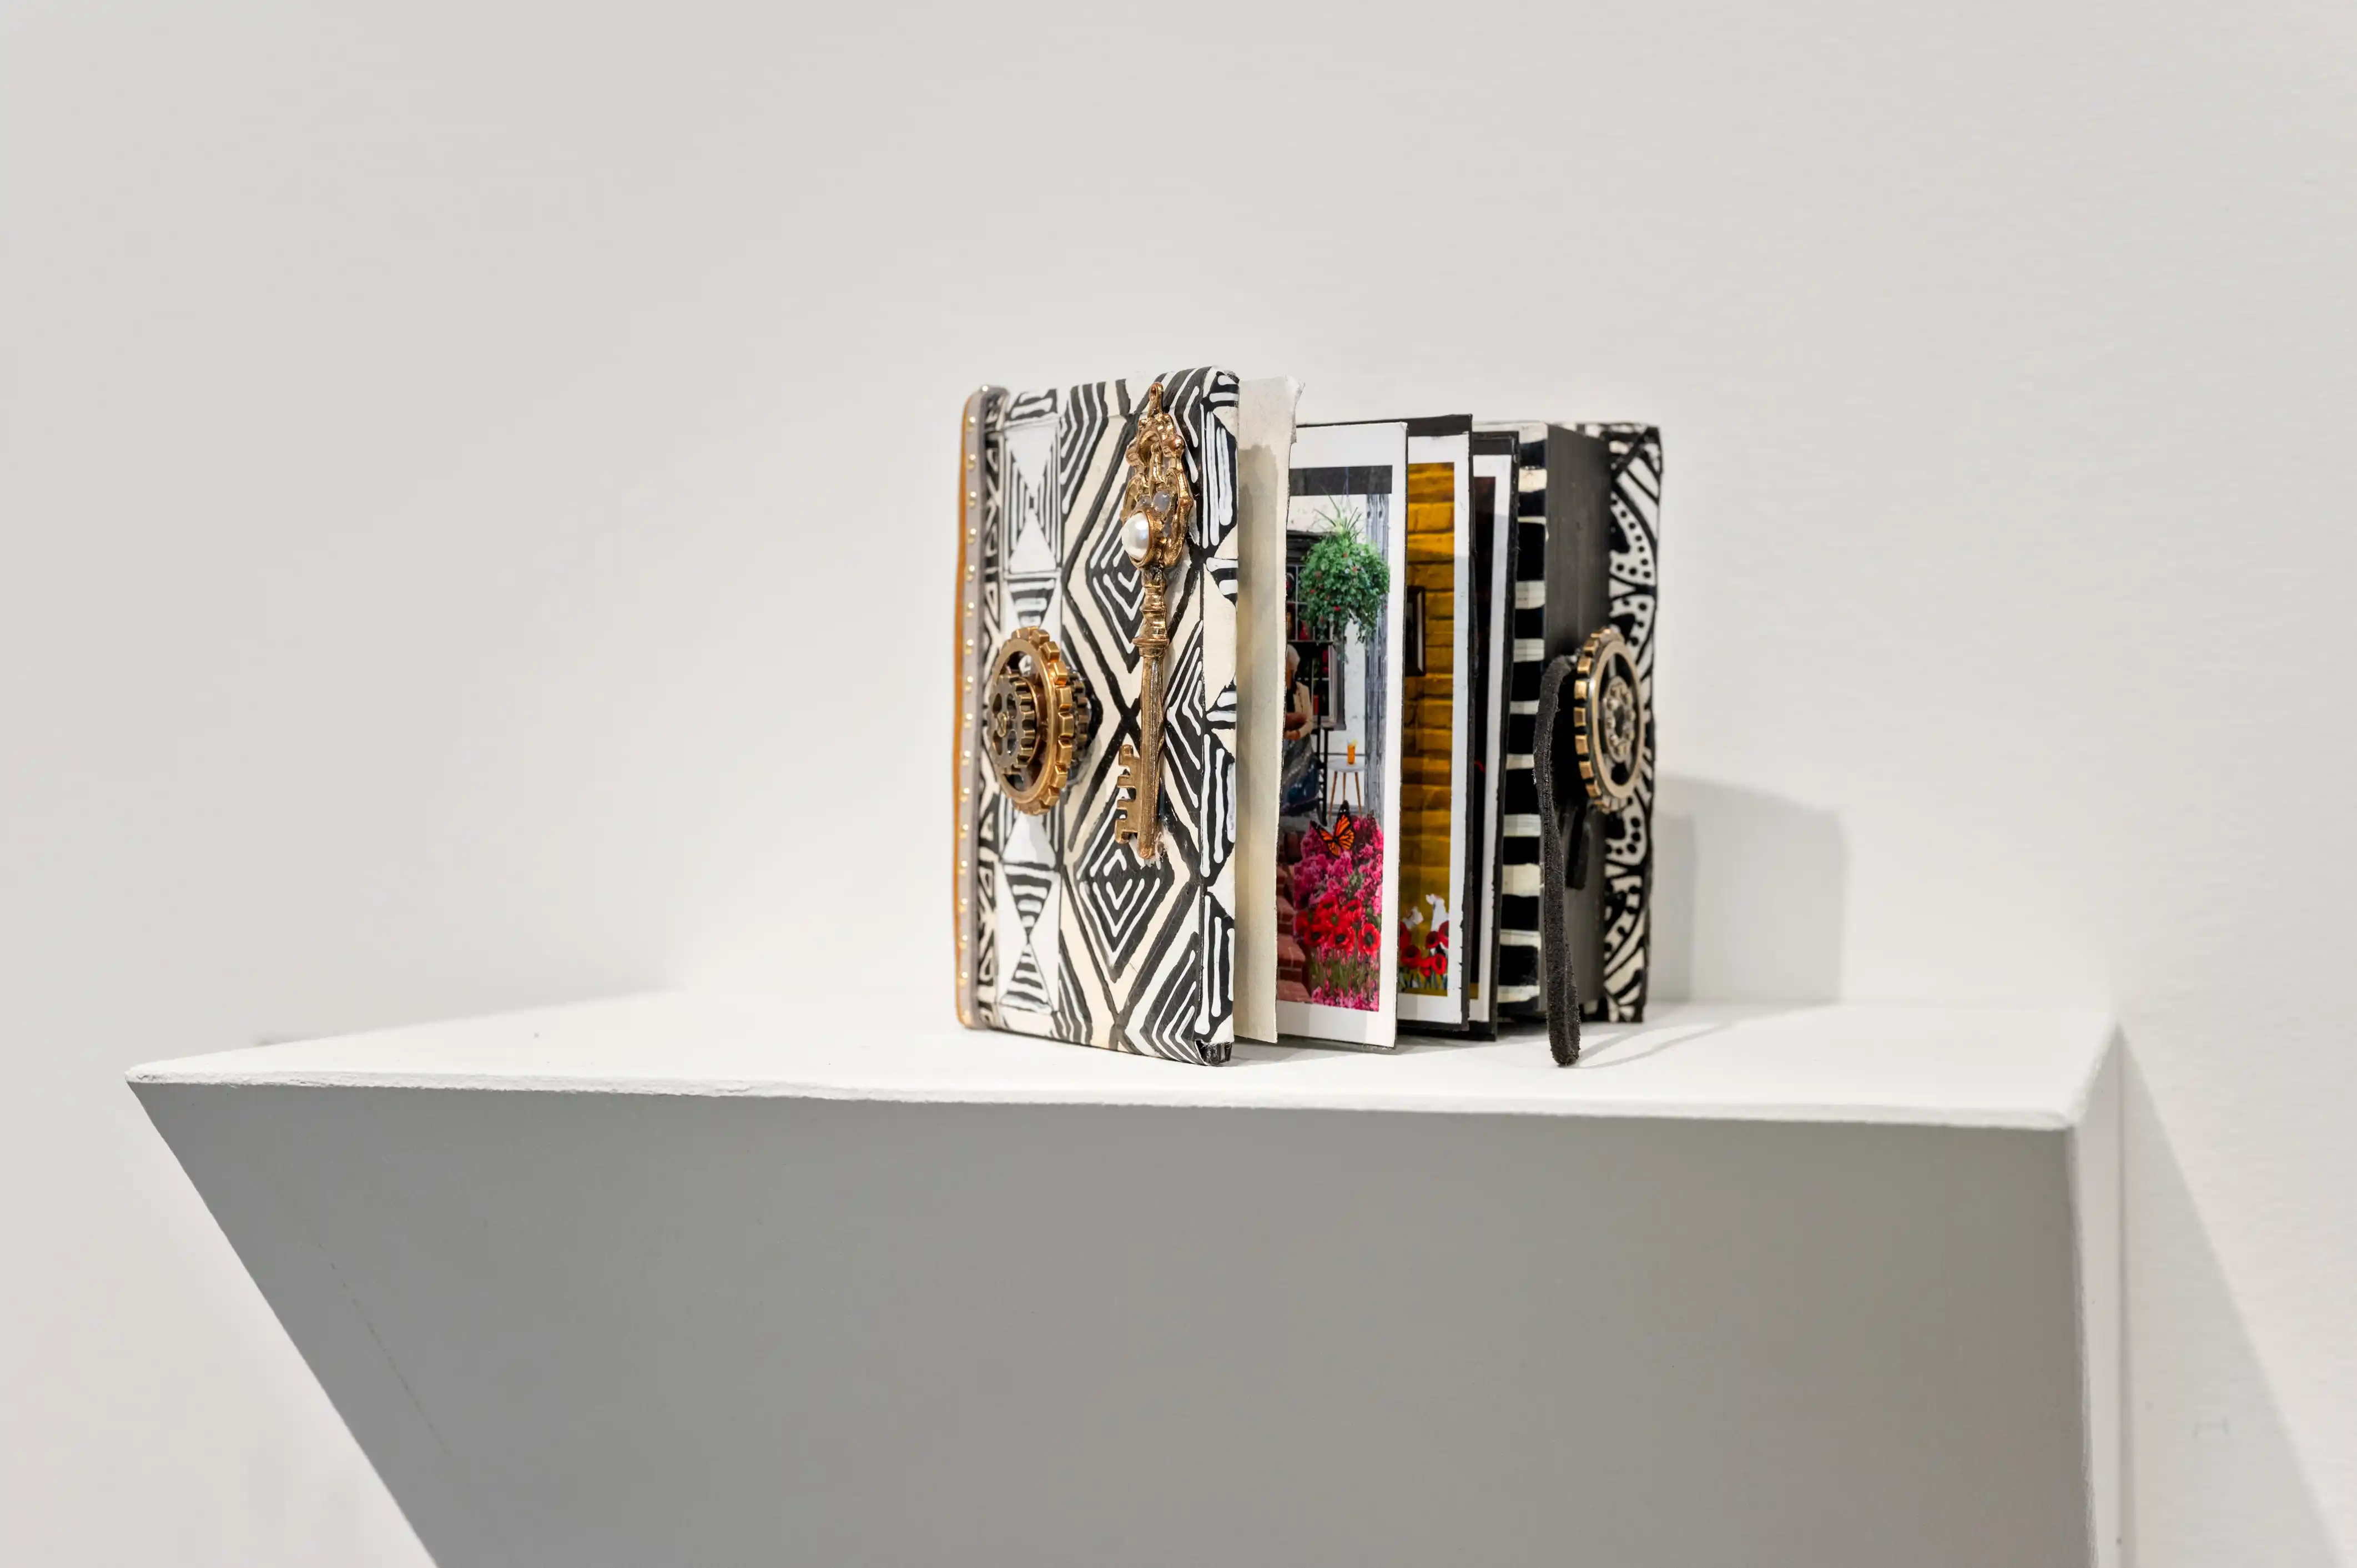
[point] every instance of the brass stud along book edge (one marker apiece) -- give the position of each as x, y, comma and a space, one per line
1317, 731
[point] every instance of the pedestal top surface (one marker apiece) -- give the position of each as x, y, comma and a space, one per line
1984, 1067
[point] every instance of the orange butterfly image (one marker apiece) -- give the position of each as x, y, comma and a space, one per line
1339, 838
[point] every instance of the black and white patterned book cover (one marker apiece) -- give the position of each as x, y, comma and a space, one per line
1079, 938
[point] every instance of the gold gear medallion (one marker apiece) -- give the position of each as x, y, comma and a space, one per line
1609, 720
1035, 719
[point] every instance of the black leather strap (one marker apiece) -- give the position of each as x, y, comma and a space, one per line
1562, 842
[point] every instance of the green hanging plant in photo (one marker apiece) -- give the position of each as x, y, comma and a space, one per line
1344, 581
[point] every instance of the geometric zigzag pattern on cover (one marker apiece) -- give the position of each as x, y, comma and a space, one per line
1636, 457
1078, 938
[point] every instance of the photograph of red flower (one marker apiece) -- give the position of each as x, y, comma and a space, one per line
1424, 957
1337, 892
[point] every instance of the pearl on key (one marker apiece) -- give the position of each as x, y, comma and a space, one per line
1137, 536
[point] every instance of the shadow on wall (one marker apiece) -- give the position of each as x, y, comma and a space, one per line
2212, 1474
1747, 894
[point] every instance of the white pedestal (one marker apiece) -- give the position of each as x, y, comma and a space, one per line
679, 1280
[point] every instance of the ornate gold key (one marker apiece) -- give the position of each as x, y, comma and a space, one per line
1154, 512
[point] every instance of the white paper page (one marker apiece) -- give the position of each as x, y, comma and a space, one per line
1431, 918
1342, 752
1499, 468
1264, 448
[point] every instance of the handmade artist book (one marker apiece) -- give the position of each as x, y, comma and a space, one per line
1264, 729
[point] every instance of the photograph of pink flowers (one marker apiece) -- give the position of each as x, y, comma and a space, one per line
1337, 875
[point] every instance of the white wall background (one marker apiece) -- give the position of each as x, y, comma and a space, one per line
453, 456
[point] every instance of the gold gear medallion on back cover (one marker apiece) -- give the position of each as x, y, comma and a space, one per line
1609, 720
1035, 719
